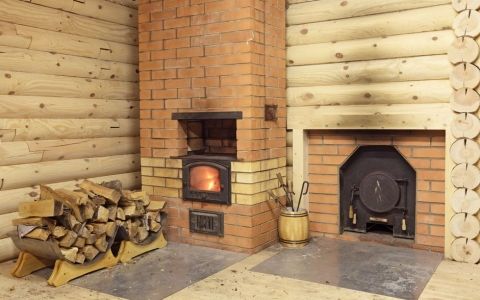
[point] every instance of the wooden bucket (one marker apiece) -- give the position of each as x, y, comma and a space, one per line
293, 228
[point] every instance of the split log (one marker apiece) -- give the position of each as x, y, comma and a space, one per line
38, 234
465, 250
465, 201
154, 226
120, 214
90, 252
72, 197
43, 208
461, 5
79, 242
463, 49
465, 75
70, 221
67, 201
68, 240
467, 23
465, 126
137, 196
59, 231
101, 243
97, 228
314, 11
387, 24
156, 205
80, 258
35, 221
464, 225
434, 67
90, 240
465, 176
88, 210
465, 151
101, 215
142, 234
465, 100
110, 229
69, 254
112, 212
100, 190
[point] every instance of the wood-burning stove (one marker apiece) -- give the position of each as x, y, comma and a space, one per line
206, 169
377, 187
206, 178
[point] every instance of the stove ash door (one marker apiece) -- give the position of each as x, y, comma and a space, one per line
377, 187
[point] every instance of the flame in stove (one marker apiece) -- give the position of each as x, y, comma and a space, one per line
205, 178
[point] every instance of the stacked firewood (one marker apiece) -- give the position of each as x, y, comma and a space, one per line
84, 222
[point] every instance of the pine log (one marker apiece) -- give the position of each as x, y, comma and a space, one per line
90, 252
464, 225
43, 208
467, 23
433, 91
465, 100
461, 5
465, 250
97, 9
80, 259
67, 201
59, 231
465, 151
465, 75
465, 126
314, 11
29, 84
20, 176
465, 176
57, 20
97, 228
131, 211
30, 193
101, 243
386, 70
415, 44
88, 210
68, 240
69, 254
38, 234
72, 197
15, 35
70, 221
100, 190
463, 49
91, 239
465, 201
101, 215
33, 61
387, 24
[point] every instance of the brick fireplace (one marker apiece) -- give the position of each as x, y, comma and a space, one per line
214, 56
424, 151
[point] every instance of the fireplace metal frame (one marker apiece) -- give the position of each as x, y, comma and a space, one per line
223, 164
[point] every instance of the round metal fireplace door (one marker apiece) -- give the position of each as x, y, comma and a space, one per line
379, 192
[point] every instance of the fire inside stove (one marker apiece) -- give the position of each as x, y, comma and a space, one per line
205, 178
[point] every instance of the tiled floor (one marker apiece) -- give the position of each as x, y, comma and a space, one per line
191, 272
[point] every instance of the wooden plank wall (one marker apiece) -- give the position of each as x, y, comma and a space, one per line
368, 65
69, 104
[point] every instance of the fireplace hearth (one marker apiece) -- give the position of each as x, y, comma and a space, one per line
377, 191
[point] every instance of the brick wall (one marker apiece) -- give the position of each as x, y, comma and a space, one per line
203, 55
424, 150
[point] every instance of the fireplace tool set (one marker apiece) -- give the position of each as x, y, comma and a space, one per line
289, 194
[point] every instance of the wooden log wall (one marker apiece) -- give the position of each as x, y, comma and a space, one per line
464, 225
368, 64
69, 104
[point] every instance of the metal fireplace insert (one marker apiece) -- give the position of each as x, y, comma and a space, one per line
206, 169
377, 191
